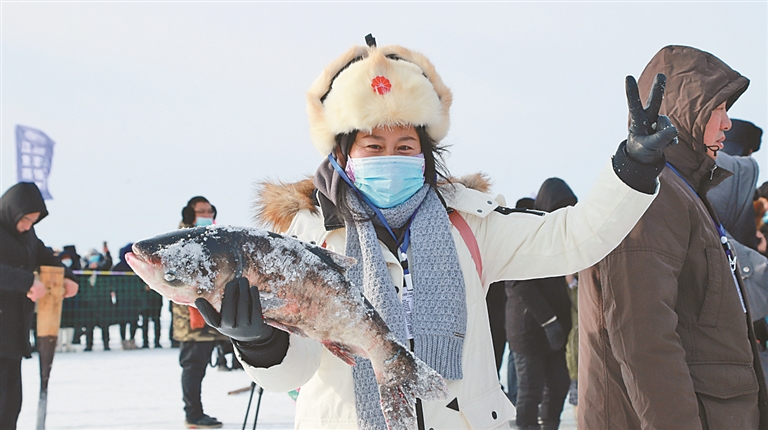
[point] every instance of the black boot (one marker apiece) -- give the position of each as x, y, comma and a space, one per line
204, 422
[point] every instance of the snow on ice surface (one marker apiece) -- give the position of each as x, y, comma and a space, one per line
139, 389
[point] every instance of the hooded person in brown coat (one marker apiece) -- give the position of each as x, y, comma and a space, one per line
666, 339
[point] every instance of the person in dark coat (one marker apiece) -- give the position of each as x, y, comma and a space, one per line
523, 203
69, 253
733, 201
733, 198
197, 339
121, 265
99, 309
742, 139
148, 303
151, 312
129, 303
666, 339
21, 207
99, 261
538, 323
71, 310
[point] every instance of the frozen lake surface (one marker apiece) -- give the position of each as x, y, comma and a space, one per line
141, 389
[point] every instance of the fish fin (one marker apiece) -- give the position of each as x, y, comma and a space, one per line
399, 409
333, 259
340, 351
402, 378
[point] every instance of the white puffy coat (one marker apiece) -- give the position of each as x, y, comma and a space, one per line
513, 246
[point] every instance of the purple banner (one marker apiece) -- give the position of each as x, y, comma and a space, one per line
34, 153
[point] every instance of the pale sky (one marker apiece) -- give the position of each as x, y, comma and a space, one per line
151, 103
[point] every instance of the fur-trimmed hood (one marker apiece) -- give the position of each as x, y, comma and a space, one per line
276, 203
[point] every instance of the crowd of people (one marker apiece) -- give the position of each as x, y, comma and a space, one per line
99, 294
109, 295
645, 302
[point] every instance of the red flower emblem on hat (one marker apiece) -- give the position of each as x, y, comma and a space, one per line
381, 85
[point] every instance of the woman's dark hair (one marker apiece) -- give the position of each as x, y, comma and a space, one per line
188, 212
434, 166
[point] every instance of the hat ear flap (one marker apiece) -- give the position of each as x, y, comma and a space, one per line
214, 211
188, 215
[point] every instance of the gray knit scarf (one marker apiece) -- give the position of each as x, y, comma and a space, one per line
440, 314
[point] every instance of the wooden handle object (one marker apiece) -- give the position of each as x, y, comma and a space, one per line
49, 306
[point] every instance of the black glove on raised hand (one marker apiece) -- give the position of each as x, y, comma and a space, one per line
555, 335
240, 316
649, 132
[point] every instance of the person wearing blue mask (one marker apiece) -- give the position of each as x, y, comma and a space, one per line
427, 246
198, 212
196, 340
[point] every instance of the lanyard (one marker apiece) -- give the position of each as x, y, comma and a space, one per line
723, 239
407, 296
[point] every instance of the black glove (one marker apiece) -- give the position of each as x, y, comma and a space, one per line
555, 335
240, 316
649, 132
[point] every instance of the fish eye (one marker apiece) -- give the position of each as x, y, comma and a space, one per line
169, 276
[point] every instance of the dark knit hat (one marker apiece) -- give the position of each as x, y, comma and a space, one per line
743, 138
762, 190
553, 195
525, 203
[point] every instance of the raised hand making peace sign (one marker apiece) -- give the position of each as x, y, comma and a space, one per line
649, 132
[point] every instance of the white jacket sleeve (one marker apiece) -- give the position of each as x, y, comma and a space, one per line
299, 365
522, 246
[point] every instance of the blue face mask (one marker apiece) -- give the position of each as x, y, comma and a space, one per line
389, 180
203, 221
765, 218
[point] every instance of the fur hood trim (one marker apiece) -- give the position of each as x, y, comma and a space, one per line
277, 203
475, 181
368, 87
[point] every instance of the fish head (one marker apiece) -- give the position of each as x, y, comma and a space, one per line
187, 264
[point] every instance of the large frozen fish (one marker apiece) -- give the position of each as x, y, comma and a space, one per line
303, 290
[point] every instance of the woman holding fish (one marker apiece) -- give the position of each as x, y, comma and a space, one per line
426, 247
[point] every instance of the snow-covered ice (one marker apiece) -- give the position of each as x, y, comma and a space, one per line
138, 389
141, 389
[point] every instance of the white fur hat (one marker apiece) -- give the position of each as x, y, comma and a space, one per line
368, 87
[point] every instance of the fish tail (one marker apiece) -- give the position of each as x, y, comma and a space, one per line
403, 379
